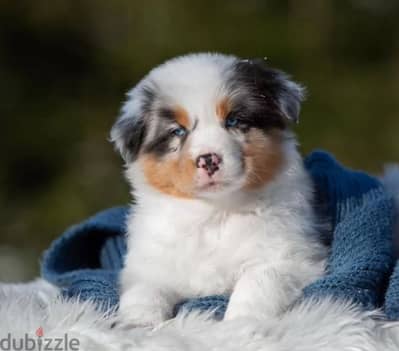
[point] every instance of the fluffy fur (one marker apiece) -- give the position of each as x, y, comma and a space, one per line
309, 326
224, 205
325, 325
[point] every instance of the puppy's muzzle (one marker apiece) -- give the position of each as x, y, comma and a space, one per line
209, 162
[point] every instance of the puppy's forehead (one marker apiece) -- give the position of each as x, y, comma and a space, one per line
194, 80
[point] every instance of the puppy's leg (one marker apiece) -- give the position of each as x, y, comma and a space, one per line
145, 305
264, 292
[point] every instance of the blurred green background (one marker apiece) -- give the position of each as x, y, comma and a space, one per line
65, 66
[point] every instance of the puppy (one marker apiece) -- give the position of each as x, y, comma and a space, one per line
224, 205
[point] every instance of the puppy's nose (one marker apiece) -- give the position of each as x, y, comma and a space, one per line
209, 162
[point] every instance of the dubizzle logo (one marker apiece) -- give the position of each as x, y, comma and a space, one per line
40, 343
39, 332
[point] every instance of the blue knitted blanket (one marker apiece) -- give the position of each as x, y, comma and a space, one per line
85, 261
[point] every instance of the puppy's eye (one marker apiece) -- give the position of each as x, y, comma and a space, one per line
179, 132
231, 122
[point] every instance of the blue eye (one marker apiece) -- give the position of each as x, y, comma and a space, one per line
231, 122
179, 132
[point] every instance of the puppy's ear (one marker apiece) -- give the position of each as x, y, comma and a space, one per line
275, 84
129, 131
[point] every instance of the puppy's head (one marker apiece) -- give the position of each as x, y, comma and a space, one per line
204, 125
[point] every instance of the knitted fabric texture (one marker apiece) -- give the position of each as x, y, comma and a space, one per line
362, 216
85, 261
392, 296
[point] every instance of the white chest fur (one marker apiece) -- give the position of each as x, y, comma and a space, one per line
198, 251
179, 249
198, 257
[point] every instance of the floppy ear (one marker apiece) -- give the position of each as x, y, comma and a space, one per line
270, 82
129, 131
289, 97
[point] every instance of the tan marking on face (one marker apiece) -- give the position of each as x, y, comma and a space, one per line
170, 176
181, 117
263, 157
223, 108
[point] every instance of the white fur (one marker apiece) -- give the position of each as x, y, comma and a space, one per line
309, 326
259, 246
188, 248
321, 326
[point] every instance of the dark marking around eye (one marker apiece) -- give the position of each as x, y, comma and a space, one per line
167, 114
264, 86
164, 137
258, 118
169, 135
231, 121
160, 145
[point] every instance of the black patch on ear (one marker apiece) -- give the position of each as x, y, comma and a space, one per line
129, 131
130, 137
278, 97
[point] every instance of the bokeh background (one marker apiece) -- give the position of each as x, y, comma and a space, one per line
65, 66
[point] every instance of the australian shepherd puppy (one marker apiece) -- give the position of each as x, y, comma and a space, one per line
223, 203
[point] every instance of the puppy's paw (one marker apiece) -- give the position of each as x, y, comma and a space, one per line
238, 311
251, 311
144, 305
140, 316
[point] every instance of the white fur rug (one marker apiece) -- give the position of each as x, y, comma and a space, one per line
308, 327
311, 326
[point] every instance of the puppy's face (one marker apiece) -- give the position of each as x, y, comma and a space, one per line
204, 125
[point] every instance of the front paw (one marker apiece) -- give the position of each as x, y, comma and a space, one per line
135, 316
143, 306
238, 311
